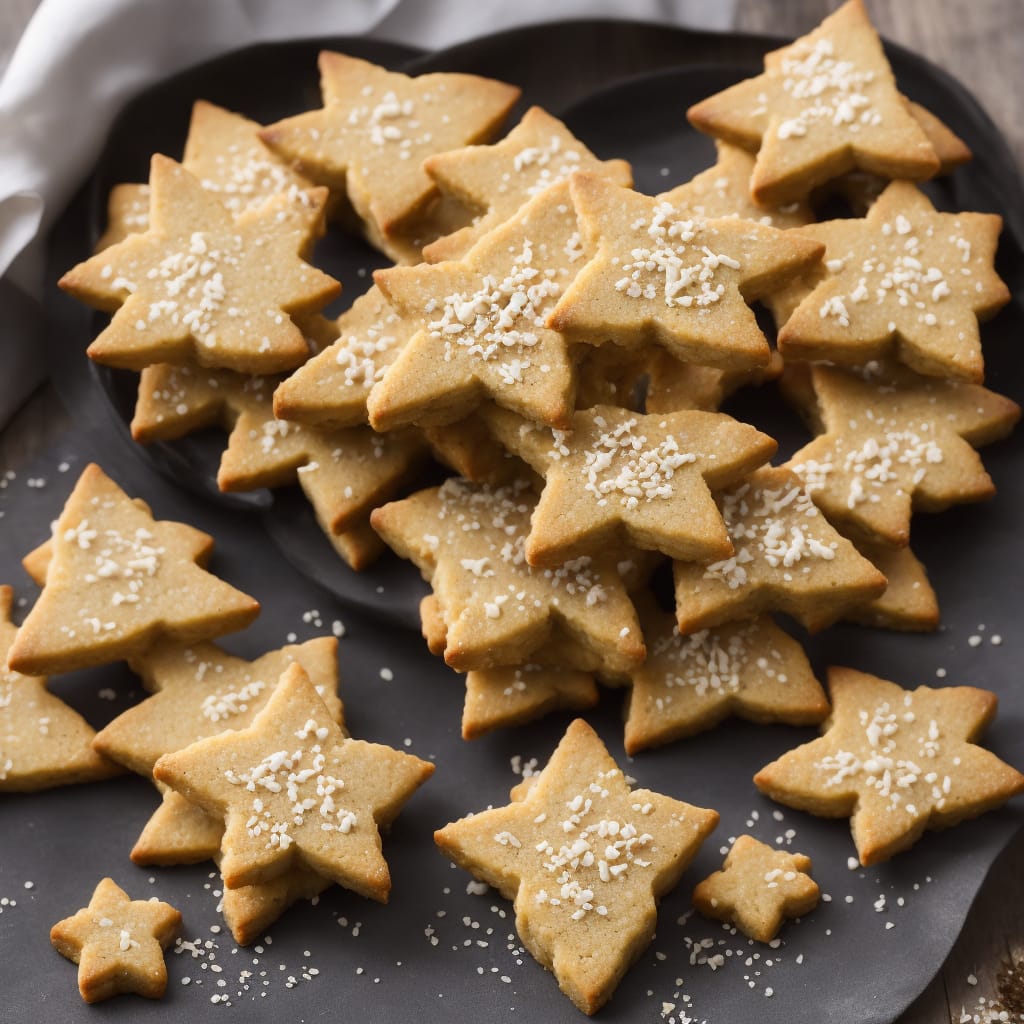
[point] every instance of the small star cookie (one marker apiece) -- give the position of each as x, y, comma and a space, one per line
825, 104
117, 581
293, 789
895, 762
585, 860
757, 888
118, 943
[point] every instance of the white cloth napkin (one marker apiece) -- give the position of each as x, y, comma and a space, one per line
80, 61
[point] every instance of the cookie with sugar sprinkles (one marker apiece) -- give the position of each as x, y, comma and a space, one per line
118, 581
118, 943
895, 761
468, 540
497, 180
825, 104
482, 334
895, 442
127, 214
294, 755
375, 129
628, 479
906, 280
665, 276
690, 683
788, 558
201, 284
43, 741
585, 860
757, 888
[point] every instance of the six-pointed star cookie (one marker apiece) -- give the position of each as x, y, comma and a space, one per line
201, 284
376, 127
757, 888
482, 324
622, 478
292, 788
497, 180
469, 542
895, 762
751, 669
118, 580
788, 558
118, 943
824, 105
905, 280
897, 442
43, 742
663, 275
585, 860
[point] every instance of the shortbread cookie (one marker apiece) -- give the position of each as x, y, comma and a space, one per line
118, 580
118, 943
610, 374
481, 323
660, 274
788, 558
751, 669
905, 280
469, 542
319, 796
178, 832
673, 385
895, 762
127, 214
43, 741
358, 544
472, 451
201, 284
625, 479
757, 888
824, 105
376, 128
909, 602
585, 860
895, 442
497, 180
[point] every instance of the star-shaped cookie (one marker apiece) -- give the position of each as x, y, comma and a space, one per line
909, 603
690, 683
375, 129
905, 280
788, 558
663, 275
177, 832
757, 888
118, 943
585, 860
117, 581
201, 284
824, 105
673, 385
895, 762
497, 180
481, 323
626, 479
469, 542
43, 742
293, 789
894, 442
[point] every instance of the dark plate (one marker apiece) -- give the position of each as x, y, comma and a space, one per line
64, 841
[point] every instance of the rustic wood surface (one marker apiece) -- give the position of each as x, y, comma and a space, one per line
981, 44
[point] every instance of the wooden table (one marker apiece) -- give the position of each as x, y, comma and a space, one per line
982, 44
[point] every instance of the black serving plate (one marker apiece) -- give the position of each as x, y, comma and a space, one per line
391, 969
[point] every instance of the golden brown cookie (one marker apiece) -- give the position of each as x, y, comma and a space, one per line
788, 558
293, 789
673, 385
118, 580
757, 888
662, 275
118, 943
610, 374
909, 602
825, 104
472, 451
177, 832
201, 284
497, 180
127, 214
585, 860
894, 442
895, 762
